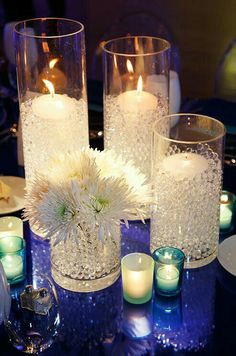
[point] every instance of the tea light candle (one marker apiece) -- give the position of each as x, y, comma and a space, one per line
168, 270
12, 256
13, 266
11, 226
227, 201
167, 278
10, 244
137, 277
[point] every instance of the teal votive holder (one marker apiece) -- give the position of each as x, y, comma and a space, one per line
12, 256
168, 269
227, 211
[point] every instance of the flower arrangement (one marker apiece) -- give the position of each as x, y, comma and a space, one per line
86, 190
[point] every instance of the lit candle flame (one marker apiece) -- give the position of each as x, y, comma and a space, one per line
49, 86
140, 84
129, 66
167, 255
53, 62
139, 260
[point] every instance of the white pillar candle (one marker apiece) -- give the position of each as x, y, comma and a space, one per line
167, 278
137, 100
184, 165
158, 85
11, 226
137, 277
13, 266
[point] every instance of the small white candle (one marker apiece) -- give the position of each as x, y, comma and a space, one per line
10, 244
167, 278
137, 277
226, 213
137, 101
185, 165
13, 266
11, 226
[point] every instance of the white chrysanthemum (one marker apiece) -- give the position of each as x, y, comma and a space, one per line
59, 211
79, 165
86, 190
112, 165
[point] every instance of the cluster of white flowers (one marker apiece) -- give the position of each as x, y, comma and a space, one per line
86, 189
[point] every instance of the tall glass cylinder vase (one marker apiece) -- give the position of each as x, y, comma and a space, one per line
187, 154
51, 74
136, 94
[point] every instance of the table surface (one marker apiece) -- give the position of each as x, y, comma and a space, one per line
202, 320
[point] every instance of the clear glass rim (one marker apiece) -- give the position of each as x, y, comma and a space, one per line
159, 251
41, 19
219, 123
166, 47
22, 248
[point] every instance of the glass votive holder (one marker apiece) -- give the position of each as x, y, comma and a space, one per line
137, 277
11, 226
12, 256
227, 211
169, 262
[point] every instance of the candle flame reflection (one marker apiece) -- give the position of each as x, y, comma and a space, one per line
140, 84
53, 62
49, 86
129, 66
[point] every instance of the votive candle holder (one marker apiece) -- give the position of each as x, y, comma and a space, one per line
227, 211
12, 256
168, 269
11, 225
137, 277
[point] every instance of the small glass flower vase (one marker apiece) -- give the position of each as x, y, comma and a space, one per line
87, 262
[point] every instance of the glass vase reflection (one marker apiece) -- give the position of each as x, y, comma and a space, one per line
187, 324
93, 329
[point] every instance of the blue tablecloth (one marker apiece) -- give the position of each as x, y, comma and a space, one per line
201, 321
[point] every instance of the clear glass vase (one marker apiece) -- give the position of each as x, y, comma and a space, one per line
88, 262
187, 176
51, 74
136, 94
